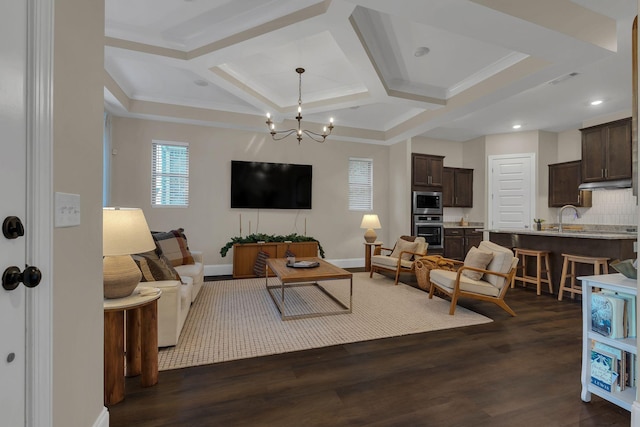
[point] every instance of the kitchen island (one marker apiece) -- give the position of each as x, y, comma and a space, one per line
613, 245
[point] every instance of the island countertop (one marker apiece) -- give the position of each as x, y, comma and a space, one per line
596, 243
576, 234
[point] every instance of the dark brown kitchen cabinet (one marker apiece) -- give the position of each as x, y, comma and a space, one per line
606, 151
564, 179
458, 241
457, 187
426, 170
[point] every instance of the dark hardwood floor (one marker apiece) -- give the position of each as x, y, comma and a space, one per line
515, 371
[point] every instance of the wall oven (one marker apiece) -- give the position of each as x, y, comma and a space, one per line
431, 228
427, 202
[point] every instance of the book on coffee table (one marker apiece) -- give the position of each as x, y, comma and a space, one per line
303, 264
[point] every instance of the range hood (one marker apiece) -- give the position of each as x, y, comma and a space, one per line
606, 185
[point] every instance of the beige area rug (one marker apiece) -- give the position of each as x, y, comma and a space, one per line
236, 319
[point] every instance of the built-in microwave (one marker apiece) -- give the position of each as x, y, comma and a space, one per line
427, 202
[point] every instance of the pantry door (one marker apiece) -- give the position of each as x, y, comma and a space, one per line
511, 191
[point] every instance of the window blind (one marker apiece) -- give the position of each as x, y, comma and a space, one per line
360, 184
170, 174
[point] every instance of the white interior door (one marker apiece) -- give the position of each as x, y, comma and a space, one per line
511, 191
13, 47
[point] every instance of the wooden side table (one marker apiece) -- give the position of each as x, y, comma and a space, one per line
367, 253
142, 341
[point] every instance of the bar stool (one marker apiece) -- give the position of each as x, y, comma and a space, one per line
537, 280
597, 262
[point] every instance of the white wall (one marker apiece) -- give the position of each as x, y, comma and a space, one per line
474, 155
399, 196
209, 221
78, 106
451, 150
569, 146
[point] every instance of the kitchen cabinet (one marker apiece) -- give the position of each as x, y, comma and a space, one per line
426, 171
458, 241
564, 179
606, 151
457, 187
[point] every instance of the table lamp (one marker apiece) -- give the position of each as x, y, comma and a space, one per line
370, 222
124, 232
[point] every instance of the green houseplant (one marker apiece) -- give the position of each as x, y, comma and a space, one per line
267, 238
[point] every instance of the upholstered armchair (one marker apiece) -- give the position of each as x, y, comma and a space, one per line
485, 275
400, 258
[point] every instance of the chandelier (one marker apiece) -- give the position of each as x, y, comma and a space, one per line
277, 135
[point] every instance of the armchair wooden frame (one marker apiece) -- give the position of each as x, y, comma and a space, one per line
399, 267
457, 292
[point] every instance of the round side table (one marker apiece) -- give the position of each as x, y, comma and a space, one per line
141, 309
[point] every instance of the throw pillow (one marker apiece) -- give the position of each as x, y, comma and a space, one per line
173, 245
477, 259
155, 267
403, 245
260, 264
501, 262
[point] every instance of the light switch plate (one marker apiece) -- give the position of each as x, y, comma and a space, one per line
67, 210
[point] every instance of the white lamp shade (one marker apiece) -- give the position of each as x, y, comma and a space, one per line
370, 221
125, 231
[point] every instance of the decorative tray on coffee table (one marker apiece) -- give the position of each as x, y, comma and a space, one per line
304, 264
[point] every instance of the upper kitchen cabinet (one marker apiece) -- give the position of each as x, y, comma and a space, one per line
564, 179
606, 151
426, 171
457, 187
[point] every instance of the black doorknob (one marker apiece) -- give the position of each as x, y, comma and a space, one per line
12, 227
12, 277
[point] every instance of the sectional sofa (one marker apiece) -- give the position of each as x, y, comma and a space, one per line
179, 273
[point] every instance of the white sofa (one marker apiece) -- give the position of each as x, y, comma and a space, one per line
176, 299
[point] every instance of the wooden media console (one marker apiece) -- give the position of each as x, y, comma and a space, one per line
245, 254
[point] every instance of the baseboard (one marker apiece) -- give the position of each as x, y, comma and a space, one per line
227, 269
103, 418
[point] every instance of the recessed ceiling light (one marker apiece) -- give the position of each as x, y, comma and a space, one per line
421, 51
596, 102
517, 126
201, 83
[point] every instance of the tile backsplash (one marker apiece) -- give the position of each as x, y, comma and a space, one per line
610, 207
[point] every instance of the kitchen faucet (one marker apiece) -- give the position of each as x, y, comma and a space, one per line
562, 211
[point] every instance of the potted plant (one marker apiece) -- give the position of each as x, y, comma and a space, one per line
259, 237
538, 223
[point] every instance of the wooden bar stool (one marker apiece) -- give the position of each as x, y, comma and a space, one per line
537, 280
574, 288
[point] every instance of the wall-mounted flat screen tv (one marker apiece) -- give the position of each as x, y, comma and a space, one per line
260, 185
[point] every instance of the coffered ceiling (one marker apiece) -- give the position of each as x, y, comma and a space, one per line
384, 70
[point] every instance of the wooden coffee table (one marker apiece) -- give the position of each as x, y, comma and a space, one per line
291, 277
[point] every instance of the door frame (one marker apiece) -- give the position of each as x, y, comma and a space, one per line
532, 182
39, 195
